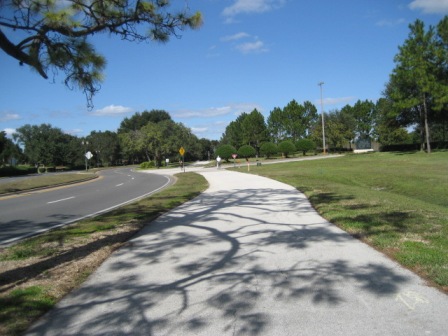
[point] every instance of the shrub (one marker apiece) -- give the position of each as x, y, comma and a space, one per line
339, 150
17, 170
246, 151
147, 165
225, 152
305, 145
286, 147
268, 148
412, 147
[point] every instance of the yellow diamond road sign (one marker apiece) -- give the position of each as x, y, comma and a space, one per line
182, 151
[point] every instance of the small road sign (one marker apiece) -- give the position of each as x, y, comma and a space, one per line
182, 151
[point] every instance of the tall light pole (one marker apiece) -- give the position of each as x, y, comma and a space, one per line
85, 143
322, 113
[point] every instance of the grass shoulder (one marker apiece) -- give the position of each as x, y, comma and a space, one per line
38, 272
25, 183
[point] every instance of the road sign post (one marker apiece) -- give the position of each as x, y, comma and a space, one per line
88, 155
182, 154
234, 157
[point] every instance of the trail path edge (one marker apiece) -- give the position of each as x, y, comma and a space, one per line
249, 256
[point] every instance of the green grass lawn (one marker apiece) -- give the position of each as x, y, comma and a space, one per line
397, 203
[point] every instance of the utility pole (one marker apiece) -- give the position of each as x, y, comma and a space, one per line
323, 120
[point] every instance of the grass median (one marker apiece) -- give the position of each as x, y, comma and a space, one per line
44, 180
38, 272
397, 203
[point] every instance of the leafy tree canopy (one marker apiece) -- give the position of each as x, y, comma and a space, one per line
46, 144
268, 149
286, 147
305, 145
8, 149
138, 120
254, 129
225, 152
159, 140
105, 147
334, 129
418, 86
52, 35
246, 151
293, 122
364, 113
233, 134
3, 140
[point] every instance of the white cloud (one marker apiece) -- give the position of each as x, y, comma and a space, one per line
212, 130
252, 47
234, 37
251, 6
390, 23
9, 131
199, 130
256, 46
212, 112
206, 113
430, 6
112, 110
246, 107
8, 117
335, 101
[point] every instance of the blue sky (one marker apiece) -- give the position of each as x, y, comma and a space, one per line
248, 54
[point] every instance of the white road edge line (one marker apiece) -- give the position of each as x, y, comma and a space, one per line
61, 200
9, 241
119, 185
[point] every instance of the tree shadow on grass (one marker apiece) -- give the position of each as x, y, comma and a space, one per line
328, 197
223, 263
380, 222
20, 275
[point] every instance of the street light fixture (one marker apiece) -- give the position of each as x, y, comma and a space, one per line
322, 113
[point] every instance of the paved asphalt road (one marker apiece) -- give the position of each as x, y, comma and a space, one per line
30, 213
249, 256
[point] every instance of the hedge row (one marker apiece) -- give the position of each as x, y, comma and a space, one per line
413, 147
17, 170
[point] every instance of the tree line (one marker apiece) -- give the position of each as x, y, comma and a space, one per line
417, 91
415, 97
147, 136
298, 127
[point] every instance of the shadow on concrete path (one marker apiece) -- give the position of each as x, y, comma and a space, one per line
253, 258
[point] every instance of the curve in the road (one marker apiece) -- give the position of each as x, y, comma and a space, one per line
34, 213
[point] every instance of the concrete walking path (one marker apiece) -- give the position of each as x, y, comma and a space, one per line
249, 256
